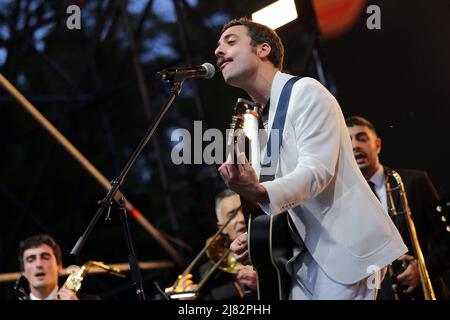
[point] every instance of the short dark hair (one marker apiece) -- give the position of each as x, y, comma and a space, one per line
360, 121
36, 241
259, 34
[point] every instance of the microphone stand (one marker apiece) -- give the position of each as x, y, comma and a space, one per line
106, 202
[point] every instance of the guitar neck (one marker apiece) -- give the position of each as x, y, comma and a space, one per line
250, 209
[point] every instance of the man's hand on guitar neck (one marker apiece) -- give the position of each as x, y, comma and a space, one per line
242, 179
240, 248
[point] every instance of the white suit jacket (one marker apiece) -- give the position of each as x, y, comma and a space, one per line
339, 219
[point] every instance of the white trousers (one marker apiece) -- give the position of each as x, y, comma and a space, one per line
311, 283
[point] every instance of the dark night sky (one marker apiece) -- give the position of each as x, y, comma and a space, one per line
398, 77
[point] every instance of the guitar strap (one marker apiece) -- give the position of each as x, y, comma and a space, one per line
271, 160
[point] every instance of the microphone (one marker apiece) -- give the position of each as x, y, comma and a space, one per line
206, 71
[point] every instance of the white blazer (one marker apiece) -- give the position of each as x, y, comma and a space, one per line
341, 222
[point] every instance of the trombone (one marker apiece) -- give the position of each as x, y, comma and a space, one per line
218, 250
405, 213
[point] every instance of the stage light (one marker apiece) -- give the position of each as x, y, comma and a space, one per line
277, 14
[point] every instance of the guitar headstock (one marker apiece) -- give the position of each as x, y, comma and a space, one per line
237, 122
244, 106
244, 126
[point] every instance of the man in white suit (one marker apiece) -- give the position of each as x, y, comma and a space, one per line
341, 232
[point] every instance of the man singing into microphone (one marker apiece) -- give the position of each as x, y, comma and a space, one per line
340, 231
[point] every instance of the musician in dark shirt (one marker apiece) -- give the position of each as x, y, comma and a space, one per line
421, 195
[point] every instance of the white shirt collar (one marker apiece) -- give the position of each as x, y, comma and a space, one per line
51, 296
378, 177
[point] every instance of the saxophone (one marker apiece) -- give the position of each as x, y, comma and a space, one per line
77, 274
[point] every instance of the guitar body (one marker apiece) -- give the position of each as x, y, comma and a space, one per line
270, 248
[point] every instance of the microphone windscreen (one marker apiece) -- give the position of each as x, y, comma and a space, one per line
210, 70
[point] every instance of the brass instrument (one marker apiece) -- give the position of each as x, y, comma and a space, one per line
77, 274
397, 215
217, 249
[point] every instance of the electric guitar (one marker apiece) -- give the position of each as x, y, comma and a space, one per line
269, 243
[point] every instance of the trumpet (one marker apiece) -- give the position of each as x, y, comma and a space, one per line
77, 274
393, 184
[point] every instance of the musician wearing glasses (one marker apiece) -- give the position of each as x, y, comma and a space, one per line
340, 233
421, 196
40, 264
